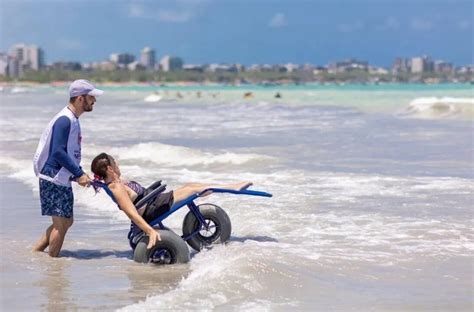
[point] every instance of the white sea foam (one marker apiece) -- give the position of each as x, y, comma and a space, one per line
444, 107
153, 98
146, 163
336, 205
20, 169
253, 264
99, 204
224, 278
178, 156
334, 217
16, 90
269, 234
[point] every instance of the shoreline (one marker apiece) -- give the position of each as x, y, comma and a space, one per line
215, 84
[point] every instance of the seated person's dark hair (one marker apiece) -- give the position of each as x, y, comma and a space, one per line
99, 166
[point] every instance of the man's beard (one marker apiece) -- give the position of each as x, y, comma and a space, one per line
86, 106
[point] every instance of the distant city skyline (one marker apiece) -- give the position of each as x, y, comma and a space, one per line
246, 32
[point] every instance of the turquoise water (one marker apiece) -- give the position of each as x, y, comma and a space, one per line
385, 98
301, 87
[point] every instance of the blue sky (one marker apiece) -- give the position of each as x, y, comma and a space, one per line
244, 31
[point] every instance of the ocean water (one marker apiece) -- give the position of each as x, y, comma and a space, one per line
372, 208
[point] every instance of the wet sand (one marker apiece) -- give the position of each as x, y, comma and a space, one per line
95, 270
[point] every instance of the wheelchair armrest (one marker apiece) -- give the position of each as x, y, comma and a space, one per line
154, 185
146, 199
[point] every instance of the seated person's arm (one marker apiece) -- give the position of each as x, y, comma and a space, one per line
126, 205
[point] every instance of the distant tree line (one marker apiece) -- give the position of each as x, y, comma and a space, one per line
121, 75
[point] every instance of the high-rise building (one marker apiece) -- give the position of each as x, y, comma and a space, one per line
18, 51
28, 57
122, 58
443, 67
147, 58
401, 65
36, 57
3, 64
17, 60
421, 65
15, 70
171, 63
417, 65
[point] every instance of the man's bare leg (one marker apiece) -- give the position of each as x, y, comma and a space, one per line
44, 240
58, 232
193, 188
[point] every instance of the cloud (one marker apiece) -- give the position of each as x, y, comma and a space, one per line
391, 23
192, 2
278, 21
181, 12
351, 27
464, 25
70, 44
174, 16
419, 24
136, 10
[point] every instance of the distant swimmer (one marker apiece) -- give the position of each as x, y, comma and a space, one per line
248, 95
278, 95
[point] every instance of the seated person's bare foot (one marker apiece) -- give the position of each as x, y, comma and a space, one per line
236, 187
242, 186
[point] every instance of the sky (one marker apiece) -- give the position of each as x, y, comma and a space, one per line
243, 31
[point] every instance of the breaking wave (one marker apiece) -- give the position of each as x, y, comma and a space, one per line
439, 108
177, 156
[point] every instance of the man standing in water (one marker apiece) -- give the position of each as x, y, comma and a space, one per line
57, 162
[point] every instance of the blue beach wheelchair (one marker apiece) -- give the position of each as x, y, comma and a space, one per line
203, 225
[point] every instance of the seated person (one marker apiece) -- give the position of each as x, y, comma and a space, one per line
125, 192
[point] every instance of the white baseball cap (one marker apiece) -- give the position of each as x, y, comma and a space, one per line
82, 87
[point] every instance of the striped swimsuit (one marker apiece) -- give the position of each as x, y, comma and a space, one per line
136, 187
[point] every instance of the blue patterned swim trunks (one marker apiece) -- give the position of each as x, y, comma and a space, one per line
56, 200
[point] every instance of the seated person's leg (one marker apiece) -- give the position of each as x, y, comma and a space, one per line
165, 201
193, 188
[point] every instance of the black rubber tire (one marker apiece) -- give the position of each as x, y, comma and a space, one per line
173, 249
216, 215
